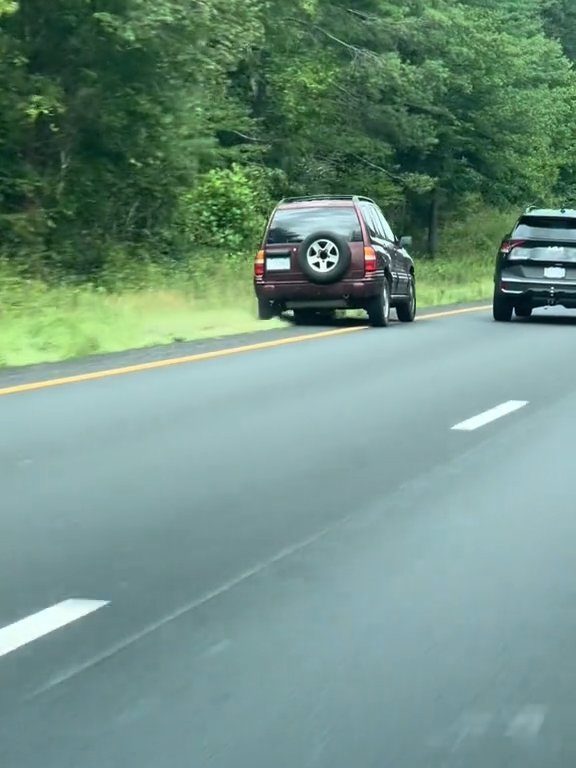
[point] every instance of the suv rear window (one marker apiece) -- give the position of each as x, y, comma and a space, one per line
545, 228
292, 225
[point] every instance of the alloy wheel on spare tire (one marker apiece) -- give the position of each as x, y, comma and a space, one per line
378, 307
324, 257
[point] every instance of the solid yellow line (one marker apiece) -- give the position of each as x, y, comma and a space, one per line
451, 312
200, 356
165, 363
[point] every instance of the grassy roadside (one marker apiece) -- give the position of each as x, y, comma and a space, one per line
46, 324
41, 323
50, 324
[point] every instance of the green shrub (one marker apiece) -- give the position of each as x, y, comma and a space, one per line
229, 207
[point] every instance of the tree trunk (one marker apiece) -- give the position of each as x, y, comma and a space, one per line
433, 217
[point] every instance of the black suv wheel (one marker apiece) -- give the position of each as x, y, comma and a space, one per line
501, 308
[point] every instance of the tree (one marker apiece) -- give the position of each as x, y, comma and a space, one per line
112, 110
560, 22
117, 117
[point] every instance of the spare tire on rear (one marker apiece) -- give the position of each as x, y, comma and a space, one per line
324, 257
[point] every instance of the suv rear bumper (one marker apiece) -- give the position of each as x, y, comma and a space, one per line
538, 292
346, 294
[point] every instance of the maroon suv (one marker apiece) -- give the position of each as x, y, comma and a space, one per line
326, 253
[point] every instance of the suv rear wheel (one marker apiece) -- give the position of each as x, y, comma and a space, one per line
305, 316
266, 310
406, 310
313, 316
378, 307
501, 308
524, 310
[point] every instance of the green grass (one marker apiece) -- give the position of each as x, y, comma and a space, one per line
152, 306
463, 270
43, 324
454, 282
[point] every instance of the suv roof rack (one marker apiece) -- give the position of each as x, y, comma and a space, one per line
311, 198
561, 209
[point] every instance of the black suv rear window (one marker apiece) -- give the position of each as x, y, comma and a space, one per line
292, 225
545, 228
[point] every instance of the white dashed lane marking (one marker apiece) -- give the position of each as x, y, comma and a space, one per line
44, 622
486, 417
527, 723
472, 729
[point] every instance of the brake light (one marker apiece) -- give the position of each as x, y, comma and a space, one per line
259, 264
509, 245
370, 260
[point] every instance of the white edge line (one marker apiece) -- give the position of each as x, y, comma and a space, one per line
44, 622
486, 417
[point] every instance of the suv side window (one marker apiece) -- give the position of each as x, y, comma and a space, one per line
386, 228
372, 223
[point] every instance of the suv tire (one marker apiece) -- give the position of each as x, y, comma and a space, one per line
266, 310
328, 246
378, 307
523, 311
305, 316
406, 309
501, 308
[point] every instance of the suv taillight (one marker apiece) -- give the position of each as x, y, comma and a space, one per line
370, 260
509, 245
259, 264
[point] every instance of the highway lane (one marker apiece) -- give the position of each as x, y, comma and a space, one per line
305, 564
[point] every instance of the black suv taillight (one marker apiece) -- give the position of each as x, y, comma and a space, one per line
509, 245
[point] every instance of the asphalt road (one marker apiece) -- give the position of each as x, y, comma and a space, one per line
303, 563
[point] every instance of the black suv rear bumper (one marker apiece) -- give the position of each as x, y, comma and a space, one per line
539, 292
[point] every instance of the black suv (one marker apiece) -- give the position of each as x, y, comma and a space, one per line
536, 264
325, 253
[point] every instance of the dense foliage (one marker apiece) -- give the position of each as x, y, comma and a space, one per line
157, 127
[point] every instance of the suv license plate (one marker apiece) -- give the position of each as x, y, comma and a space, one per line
277, 264
554, 272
